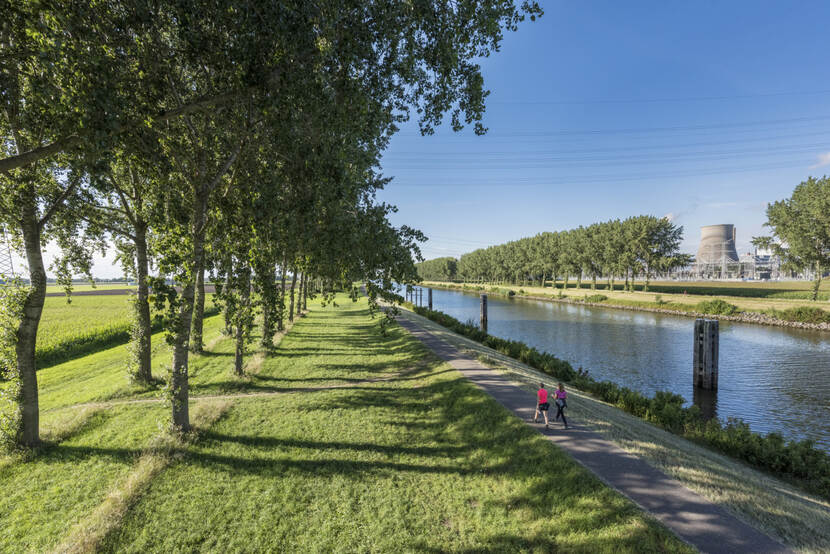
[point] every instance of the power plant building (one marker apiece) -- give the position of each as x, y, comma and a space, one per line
717, 245
717, 257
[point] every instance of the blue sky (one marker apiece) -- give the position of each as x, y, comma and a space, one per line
601, 109
702, 110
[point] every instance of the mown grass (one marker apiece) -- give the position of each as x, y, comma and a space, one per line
799, 520
396, 452
44, 496
425, 462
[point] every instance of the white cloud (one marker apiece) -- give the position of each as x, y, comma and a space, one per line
823, 159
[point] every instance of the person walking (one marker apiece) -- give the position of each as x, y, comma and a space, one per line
542, 404
561, 395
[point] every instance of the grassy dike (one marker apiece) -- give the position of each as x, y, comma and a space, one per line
340, 439
797, 519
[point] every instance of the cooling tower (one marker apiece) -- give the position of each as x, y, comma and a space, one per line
717, 244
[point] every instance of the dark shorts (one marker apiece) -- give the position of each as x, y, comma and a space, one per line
543, 406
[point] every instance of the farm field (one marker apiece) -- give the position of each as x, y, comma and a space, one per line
85, 325
83, 287
364, 442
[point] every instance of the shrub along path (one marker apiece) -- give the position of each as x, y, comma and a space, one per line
695, 519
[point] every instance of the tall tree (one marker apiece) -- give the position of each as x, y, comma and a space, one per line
801, 229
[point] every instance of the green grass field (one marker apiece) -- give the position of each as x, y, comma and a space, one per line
86, 325
361, 443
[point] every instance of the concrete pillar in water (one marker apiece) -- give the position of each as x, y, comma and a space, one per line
429, 298
484, 312
705, 363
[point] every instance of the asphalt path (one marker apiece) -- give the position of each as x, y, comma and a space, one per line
696, 520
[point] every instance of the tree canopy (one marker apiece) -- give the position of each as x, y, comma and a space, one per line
230, 137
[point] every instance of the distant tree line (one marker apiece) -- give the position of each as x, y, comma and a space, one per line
638, 246
439, 269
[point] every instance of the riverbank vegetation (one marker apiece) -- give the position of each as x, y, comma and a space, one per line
344, 438
797, 461
746, 308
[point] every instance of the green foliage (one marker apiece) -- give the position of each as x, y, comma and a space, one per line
798, 461
12, 298
716, 307
438, 269
595, 298
801, 225
644, 244
803, 314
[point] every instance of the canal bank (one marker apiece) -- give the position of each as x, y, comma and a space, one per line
751, 317
775, 379
799, 520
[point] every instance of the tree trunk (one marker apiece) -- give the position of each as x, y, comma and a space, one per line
28, 427
291, 305
611, 283
241, 321
305, 294
579, 281
196, 340
300, 295
565, 284
816, 281
281, 302
269, 285
594, 282
625, 287
648, 275
179, 385
144, 372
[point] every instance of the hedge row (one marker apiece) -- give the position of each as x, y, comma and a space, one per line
799, 461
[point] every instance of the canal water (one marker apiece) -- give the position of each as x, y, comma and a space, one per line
774, 378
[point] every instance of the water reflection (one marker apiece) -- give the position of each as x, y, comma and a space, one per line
774, 378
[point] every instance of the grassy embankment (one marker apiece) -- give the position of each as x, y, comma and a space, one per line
799, 520
361, 442
746, 297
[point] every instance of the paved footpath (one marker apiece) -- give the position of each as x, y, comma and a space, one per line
696, 520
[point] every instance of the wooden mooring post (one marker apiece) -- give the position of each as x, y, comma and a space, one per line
705, 370
483, 324
429, 298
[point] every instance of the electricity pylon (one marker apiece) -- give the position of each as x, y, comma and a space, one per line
6, 263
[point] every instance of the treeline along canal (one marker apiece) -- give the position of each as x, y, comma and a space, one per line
774, 378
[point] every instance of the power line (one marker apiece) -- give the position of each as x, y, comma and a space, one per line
663, 100
687, 128
587, 180
514, 160
395, 153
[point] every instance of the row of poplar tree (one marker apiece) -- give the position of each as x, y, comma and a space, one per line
236, 138
643, 245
